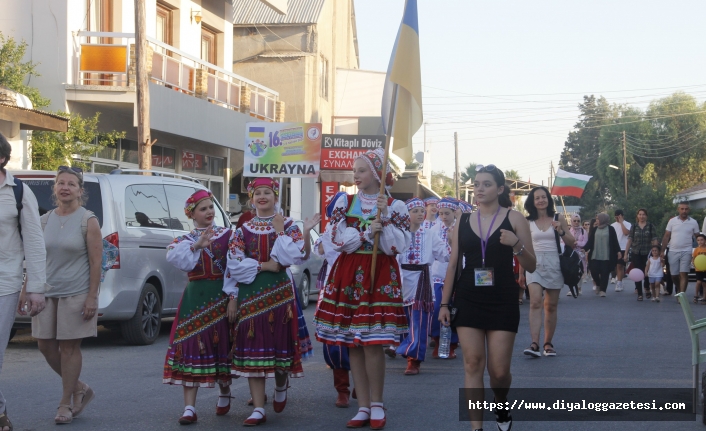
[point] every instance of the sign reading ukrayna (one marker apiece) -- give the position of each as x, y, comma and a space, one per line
282, 149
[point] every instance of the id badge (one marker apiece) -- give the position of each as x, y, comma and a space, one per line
484, 277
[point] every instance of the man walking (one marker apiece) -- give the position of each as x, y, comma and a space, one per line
679, 235
28, 246
622, 229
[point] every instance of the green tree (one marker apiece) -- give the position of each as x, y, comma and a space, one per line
53, 149
469, 172
442, 185
14, 72
512, 174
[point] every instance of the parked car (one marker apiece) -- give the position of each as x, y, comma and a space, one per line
141, 215
305, 275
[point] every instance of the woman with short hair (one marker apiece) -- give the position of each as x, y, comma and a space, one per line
74, 250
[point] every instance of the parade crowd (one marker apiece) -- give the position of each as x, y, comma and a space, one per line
436, 264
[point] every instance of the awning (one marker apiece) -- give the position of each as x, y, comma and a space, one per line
31, 119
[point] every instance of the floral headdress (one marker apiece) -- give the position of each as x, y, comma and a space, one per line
263, 182
194, 201
374, 159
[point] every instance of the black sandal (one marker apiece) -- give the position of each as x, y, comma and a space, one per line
550, 351
531, 351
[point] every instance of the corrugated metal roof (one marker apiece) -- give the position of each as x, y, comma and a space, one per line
251, 12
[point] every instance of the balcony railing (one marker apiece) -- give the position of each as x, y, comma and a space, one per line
107, 58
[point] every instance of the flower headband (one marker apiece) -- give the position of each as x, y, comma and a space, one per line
414, 203
263, 182
194, 201
374, 159
449, 203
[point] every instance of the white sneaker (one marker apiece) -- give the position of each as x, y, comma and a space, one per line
612, 281
568, 293
619, 286
579, 290
594, 287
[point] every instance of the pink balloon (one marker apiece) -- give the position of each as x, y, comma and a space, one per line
636, 275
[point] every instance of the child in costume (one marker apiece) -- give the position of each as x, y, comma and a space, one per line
265, 339
448, 208
357, 311
199, 342
426, 248
432, 210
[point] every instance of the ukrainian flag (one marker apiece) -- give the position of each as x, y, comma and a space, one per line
405, 72
256, 132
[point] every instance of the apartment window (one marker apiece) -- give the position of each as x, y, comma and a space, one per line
164, 24
323, 77
208, 45
99, 18
163, 157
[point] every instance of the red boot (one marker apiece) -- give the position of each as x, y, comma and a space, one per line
435, 354
452, 350
412, 367
341, 382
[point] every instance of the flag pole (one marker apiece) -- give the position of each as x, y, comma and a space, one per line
566, 218
388, 136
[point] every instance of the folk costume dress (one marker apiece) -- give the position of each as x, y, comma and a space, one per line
438, 271
426, 247
353, 311
265, 336
199, 342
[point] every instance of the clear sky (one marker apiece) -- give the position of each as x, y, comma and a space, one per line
508, 75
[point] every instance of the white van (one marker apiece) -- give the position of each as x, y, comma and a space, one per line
140, 212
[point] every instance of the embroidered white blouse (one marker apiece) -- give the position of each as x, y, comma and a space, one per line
182, 255
426, 247
395, 235
287, 250
438, 268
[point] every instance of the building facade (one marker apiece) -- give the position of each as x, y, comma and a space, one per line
199, 107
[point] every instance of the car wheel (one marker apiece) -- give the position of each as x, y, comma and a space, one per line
304, 290
144, 326
13, 331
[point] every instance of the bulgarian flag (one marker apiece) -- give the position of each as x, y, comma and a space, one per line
569, 184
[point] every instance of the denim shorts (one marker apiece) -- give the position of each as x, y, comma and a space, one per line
655, 280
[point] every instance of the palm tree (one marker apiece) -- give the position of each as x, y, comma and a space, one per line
512, 174
469, 173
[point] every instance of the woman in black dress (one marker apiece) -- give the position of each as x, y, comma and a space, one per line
486, 290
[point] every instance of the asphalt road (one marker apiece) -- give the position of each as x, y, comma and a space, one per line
601, 343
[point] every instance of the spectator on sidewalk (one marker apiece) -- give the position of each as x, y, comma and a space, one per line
678, 236
74, 249
622, 230
16, 247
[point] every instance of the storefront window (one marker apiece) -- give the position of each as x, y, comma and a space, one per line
217, 164
128, 151
100, 168
109, 151
168, 158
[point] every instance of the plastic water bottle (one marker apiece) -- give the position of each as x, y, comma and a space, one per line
445, 341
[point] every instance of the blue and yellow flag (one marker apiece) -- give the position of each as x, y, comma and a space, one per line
256, 132
405, 71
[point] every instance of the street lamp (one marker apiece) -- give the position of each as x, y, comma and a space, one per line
625, 180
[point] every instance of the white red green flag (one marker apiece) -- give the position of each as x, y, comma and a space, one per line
569, 184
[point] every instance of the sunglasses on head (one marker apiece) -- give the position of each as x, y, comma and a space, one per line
70, 168
488, 168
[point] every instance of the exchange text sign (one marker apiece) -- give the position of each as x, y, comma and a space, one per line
282, 149
339, 151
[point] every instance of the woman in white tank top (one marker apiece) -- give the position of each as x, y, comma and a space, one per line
547, 278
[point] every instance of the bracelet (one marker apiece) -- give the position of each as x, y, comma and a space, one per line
259, 267
519, 253
518, 241
563, 232
444, 305
233, 297
281, 233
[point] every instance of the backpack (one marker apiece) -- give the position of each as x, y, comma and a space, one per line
110, 252
570, 262
19, 191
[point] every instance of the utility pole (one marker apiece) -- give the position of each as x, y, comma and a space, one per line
551, 173
425, 139
625, 167
144, 140
457, 177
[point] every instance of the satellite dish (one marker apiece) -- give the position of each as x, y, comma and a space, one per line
419, 157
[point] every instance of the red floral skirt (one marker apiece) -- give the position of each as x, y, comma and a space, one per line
354, 311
